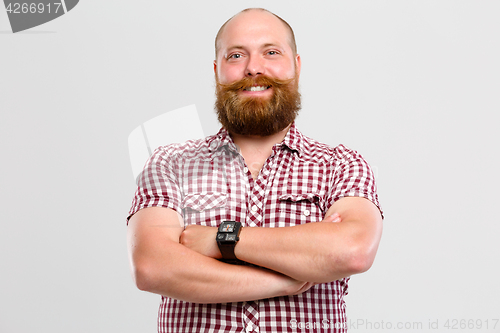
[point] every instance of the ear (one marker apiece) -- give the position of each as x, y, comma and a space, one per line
215, 67
298, 64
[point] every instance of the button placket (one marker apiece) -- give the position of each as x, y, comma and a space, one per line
251, 316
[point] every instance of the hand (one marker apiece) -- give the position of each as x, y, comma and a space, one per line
294, 287
305, 287
335, 218
201, 239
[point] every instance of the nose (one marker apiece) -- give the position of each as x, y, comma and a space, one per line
255, 66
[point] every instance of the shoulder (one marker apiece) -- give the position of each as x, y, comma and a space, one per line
320, 152
198, 148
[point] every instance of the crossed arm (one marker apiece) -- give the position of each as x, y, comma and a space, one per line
171, 261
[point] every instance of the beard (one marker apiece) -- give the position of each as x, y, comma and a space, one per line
254, 115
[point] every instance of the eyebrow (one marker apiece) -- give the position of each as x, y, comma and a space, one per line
272, 45
266, 45
236, 47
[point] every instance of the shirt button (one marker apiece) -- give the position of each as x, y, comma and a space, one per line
307, 212
255, 208
245, 169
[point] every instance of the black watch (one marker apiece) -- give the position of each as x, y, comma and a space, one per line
227, 237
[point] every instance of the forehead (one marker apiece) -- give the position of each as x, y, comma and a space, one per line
254, 28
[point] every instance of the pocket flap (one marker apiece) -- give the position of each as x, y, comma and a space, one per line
204, 201
299, 197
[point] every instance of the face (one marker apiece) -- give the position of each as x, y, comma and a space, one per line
257, 75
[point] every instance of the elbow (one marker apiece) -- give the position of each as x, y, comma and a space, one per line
144, 277
360, 263
360, 260
354, 261
361, 254
141, 277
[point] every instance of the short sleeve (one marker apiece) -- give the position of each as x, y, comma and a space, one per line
157, 184
352, 177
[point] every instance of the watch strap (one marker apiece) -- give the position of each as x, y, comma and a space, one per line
227, 251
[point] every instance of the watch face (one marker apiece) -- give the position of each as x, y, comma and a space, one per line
226, 238
227, 227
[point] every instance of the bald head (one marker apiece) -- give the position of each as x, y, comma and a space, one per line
259, 11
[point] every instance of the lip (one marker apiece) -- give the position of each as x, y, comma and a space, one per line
257, 88
264, 92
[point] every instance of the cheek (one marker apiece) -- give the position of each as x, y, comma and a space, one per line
229, 74
282, 72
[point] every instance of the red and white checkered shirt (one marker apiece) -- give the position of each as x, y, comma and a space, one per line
207, 182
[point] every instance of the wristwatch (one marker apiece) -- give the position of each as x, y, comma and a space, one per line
227, 237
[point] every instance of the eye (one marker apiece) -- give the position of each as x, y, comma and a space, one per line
234, 56
272, 53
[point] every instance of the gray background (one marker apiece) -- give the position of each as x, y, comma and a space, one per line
412, 85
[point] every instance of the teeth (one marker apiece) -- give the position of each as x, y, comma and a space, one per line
258, 88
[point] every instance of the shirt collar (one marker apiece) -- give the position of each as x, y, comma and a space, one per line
222, 138
293, 140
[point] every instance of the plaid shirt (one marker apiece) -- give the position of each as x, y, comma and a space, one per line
207, 182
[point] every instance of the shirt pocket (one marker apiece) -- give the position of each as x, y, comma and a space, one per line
298, 208
208, 209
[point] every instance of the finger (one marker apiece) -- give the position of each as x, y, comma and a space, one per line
335, 217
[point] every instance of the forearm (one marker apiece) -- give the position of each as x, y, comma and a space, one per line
160, 264
316, 252
310, 252
321, 251
192, 277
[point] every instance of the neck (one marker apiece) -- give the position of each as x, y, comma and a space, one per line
256, 149
251, 142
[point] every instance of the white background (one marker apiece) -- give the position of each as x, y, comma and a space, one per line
412, 85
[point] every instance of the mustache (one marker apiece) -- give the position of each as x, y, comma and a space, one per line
248, 82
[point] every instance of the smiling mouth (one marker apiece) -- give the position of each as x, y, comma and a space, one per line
257, 88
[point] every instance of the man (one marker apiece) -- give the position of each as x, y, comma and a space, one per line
305, 215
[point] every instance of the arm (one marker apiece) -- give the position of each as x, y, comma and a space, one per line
319, 252
161, 265
322, 251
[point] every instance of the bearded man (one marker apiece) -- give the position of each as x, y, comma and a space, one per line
257, 228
